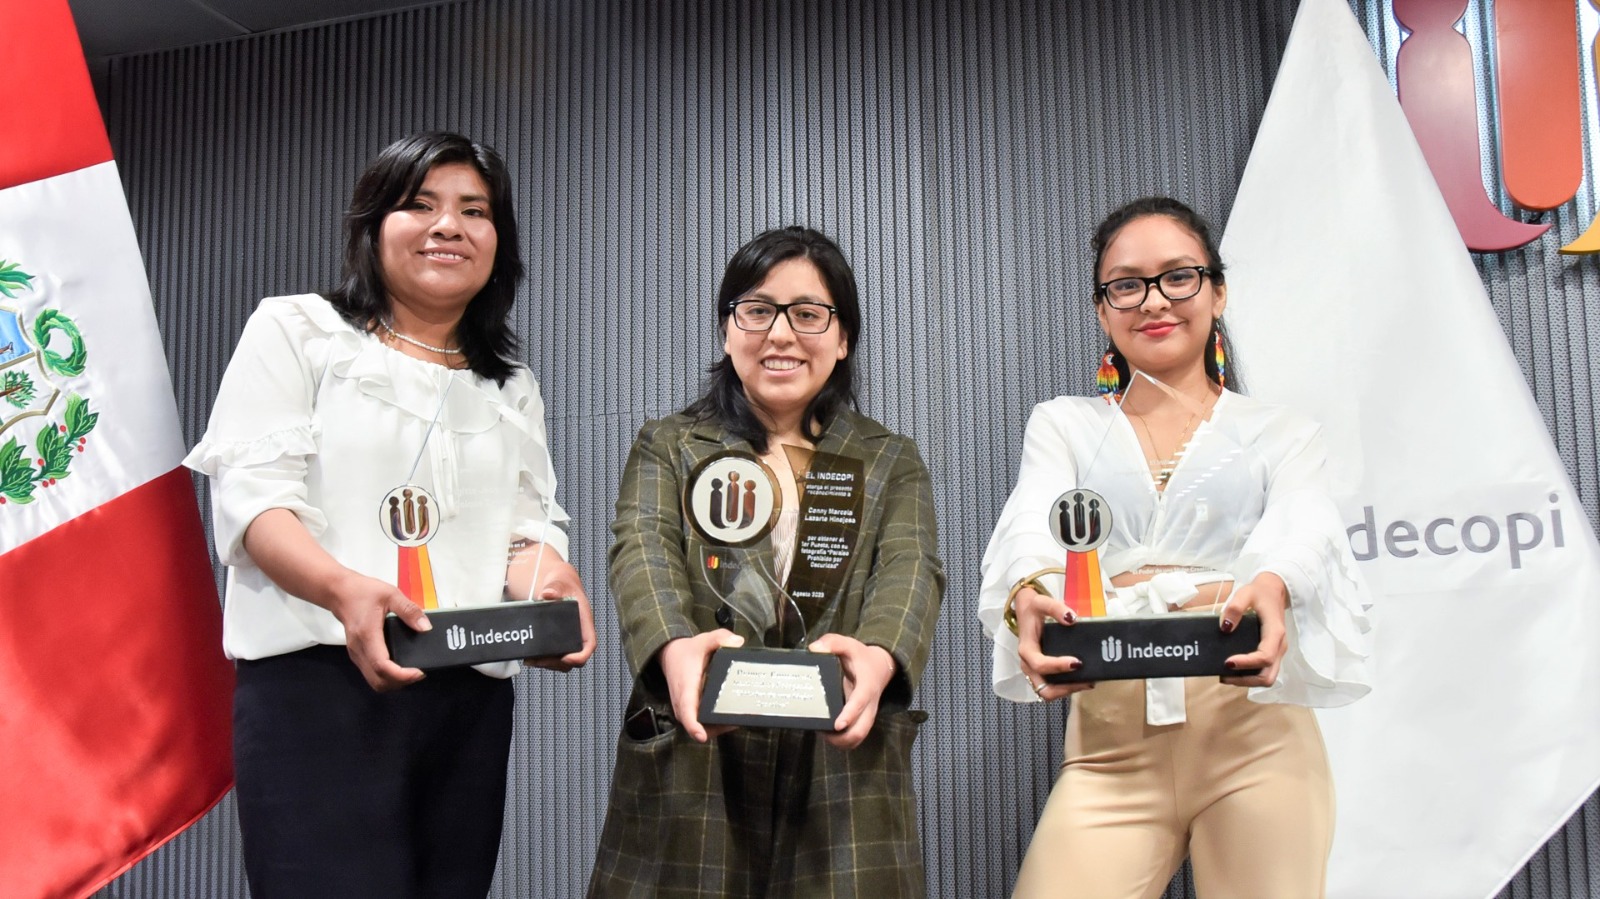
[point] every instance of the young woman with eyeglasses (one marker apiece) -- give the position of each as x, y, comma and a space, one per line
1232, 772
712, 811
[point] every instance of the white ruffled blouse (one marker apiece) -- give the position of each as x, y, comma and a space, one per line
1248, 496
318, 418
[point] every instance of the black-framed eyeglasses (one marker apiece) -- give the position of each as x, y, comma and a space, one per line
1175, 284
804, 318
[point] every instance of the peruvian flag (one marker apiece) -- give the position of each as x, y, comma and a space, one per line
115, 697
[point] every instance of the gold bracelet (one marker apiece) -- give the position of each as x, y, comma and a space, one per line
1032, 580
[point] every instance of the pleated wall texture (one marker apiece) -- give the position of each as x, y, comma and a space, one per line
960, 150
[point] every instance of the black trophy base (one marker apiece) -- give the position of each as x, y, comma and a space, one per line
1181, 644
496, 633
775, 688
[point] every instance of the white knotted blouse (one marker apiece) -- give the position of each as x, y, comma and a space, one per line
1247, 496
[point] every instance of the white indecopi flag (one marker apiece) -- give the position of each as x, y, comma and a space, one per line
1351, 297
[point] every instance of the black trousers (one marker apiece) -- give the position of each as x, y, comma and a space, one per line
345, 792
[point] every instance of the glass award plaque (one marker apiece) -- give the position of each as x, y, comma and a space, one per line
477, 629
500, 625
1159, 541
733, 502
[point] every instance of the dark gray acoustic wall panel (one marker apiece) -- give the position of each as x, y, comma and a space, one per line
961, 153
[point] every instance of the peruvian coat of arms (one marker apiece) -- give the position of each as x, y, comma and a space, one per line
41, 426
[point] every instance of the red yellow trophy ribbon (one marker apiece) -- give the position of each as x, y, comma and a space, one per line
1085, 592
416, 577
408, 516
1080, 521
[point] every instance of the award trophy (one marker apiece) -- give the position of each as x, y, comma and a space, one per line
1166, 626
732, 501
513, 625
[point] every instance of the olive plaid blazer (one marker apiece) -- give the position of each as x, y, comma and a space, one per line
763, 813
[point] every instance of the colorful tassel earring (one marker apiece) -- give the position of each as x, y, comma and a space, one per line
1106, 379
1221, 357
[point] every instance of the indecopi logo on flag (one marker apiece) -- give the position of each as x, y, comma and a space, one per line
115, 701
1456, 502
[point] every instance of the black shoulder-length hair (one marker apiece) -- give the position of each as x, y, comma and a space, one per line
724, 401
487, 342
1195, 224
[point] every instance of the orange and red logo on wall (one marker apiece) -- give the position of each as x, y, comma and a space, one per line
1537, 78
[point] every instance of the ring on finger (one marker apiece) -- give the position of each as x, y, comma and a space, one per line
1038, 689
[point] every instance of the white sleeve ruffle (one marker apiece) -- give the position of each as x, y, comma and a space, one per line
537, 516
1301, 539
261, 431
247, 479
1021, 544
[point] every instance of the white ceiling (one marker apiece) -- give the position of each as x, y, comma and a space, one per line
118, 27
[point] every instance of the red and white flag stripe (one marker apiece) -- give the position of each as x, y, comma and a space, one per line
115, 697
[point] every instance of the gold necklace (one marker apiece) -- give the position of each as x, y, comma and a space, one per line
1161, 469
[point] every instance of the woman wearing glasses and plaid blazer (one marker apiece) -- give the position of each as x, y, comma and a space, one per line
715, 811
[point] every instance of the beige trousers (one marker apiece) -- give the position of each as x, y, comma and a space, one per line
1241, 787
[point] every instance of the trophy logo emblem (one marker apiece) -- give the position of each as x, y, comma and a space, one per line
1080, 520
409, 515
732, 499
455, 637
1111, 649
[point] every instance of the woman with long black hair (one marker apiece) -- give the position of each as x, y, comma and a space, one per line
1231, 773
380, 450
